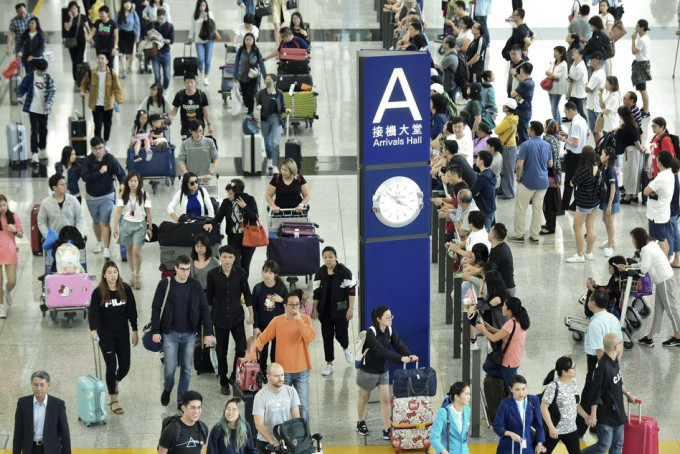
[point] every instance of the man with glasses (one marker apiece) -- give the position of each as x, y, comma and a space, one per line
185, 433
293, 331
178, 311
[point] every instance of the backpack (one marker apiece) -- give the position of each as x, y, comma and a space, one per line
676, 143
67, 258
609, 48
294, 434
462, 75
360, 342
93, 12
452, 107
174, 420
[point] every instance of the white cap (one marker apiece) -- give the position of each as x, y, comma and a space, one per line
433, 72
511, 103
437, 87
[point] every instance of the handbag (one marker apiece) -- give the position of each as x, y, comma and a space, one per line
250, 126
263, 9
553, 409
547, 83
72, 41
147, 337
253, 73
254, 235
496, 356
574, 11
150, 49
291, 4
599, 123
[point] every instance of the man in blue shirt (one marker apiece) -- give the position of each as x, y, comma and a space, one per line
484, 188
288, 41
533, 161
523, 94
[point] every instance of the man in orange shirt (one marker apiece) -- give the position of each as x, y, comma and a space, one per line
292, 331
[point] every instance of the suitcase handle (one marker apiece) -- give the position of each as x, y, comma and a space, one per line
639, 403
97, 360
184, 50
417, 365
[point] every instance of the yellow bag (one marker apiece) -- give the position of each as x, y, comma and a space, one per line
93, 13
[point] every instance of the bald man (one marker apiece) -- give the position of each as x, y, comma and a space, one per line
606, 394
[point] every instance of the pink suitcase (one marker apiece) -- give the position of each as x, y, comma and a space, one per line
641, 433
246, 375
297, 229
411, 422
68, 290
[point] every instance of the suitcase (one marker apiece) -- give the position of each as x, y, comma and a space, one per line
77, 127
640, 434
202, 362
295, 256
81, 69
247, 375
293, 67
17, 146
248, 398
252, 154
170, 253
494, 392
297, 229
185, 65
91, 394
68, 290
302, 105
285, 81
421, 381
184, 234
227, 80
293, 54
36, 237
411, 423
162, 164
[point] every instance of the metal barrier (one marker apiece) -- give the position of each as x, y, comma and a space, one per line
443, 257
457, 316
476, 388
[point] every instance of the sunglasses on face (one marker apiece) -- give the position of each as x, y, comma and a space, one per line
193, 182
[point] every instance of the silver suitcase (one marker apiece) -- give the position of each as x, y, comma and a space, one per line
17, 145
252, 154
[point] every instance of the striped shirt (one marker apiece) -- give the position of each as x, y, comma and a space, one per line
635, 110
586, 190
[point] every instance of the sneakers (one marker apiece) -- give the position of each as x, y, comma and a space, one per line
534, 240
516, 239
98, 248
327, 370
107, 253
165, 397
225, 390
42, 154
138, 158
576, 259
349, 356
474, 346
270, 164
149, 155
605, 245
8, 298
589, 256
3, 311
608, 251
386, 435
275, 170
206, 82
35, 159
362, 428
672, 342
647, 342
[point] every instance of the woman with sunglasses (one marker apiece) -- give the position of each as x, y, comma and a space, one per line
233, 434
192, 200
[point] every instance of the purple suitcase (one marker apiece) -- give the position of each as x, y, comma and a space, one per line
297, 229
295, 256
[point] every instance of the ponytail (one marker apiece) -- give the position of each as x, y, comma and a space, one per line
520, 313
564, 363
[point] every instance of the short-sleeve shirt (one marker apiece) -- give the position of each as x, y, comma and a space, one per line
274, 407
104, 35
474, 108
132, 211
513, 355
578, 73
596, 82
581, 27
191, 440
659, 210
642, 44
579, 130
612, 101
535, 153
609, 176
566, 404
526, 90
479, 237
501, 255
601, 324
190, 106
288, 195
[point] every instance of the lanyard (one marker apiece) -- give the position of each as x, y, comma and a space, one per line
523, 415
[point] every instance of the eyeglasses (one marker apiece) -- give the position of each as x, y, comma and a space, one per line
184, 269
193, 182
389, 317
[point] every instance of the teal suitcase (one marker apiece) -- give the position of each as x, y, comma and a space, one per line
91, 395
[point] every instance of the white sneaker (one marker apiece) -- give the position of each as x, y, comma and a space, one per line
474, 346
206, 82
42, 154
107, 253
605, 245
269, 164
98, 248
35, 159
8, 298
349, 356
275, 170
576, 259
589, 256
3, 311
327, 370
608, 251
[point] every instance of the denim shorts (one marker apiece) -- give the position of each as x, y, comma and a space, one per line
132, 233
101, 209
616, 207
659, 231
586, 210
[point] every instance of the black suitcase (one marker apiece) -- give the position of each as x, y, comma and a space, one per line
202, 362
77, 131
185, 65
293, 67
248, 398
293, 147
81, 70
284, 81
494, 393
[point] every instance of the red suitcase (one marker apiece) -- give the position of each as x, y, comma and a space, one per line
641, 433
246, 375
293, 54
297, 229
36, 237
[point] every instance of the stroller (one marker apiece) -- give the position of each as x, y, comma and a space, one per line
294, 438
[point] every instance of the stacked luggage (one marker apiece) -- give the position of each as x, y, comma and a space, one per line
295, 81
161, 166
228, 73
175, 239
412, 415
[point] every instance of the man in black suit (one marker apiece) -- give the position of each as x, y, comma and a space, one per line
40, 425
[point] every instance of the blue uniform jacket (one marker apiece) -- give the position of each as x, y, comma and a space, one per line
509, 419
457, 442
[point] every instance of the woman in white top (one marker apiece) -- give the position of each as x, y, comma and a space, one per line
578, 78
558, 74
610, 101
155, 103
607, 19
203, 48
191, 199
135, 205
149, 12
248, 26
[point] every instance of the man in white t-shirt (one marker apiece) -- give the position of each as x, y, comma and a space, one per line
641, 50
463, 135
660, 193
596, 82
574, 140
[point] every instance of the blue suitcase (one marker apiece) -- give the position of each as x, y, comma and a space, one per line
91, 394
162, 162
295, 256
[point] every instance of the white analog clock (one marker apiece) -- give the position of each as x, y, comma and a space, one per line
397, 201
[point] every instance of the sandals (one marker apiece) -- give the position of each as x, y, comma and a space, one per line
134, 282
118, 410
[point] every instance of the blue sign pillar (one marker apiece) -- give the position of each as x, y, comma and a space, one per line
394, 187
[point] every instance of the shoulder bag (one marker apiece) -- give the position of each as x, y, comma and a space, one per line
496, 356
147, 337
254, 235
72, 42
263, 9
208, 30
547, 83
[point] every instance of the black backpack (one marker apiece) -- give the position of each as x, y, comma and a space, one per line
462, 75
294, 434
676, 143
177, 428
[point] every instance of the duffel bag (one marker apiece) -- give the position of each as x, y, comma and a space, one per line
421, 381
184, 234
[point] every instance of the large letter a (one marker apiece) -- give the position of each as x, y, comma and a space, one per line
408, 103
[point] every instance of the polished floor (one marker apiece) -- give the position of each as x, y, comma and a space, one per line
546, 284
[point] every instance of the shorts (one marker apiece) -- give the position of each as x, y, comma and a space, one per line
101, 209
142, 138
616, 207
132, 233
641, 87
585, 210
368, 381
659, 231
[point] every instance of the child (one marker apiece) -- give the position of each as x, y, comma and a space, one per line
157, 133
489, 109
610, 204
140, 134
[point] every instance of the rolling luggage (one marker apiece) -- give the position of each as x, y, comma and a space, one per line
161, 165
252, 154
91, 394
293, 67
641, 433
68, 290
494, 392
421, 381
202, 361
411, 423
301, 82
227, 73
14, 82
170, 253
17, 145
297, 229
295, 256
302, 104
36, 237
293, 147
293, 54
185, 65
247, 375
248, 398
77, 127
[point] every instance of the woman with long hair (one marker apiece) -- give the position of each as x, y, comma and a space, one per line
192, 199
134, 204
32, 44
552, 202
598, 41
248, 67
10, 228
204, 48
629, 145
439, 114
267, 300
112, 307
507, 133
578, 78
269, 102
563, 392
609, 204
298, 27
232, 434
202, 260
451, 425
517, 325
150, 11
494, 293
69, 166
289, 190
129, 32
586, 184
155, 103
558, 74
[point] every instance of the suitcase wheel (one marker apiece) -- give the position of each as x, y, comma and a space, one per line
628, 345
53, 315
577, 336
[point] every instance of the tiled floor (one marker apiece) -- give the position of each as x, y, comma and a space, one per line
547, 286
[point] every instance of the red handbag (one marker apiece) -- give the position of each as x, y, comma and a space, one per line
547, 83
254, 235
12, 68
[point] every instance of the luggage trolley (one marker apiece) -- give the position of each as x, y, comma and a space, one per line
274, 220
69, 284
227, 83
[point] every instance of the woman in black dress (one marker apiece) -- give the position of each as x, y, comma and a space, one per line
288, 190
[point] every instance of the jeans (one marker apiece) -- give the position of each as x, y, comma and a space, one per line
238, 332
523, 127
271, 131
101, 118
300, 381
508, 173
592, 119
608, 438
116, 352
555, 107
204, 54
162, 62
178, 349
524, 196
38, 131
506, 373
674, 237
489, 220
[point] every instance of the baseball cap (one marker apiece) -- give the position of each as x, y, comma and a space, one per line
511, 103
437, 87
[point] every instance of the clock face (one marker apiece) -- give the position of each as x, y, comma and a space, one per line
397, 201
